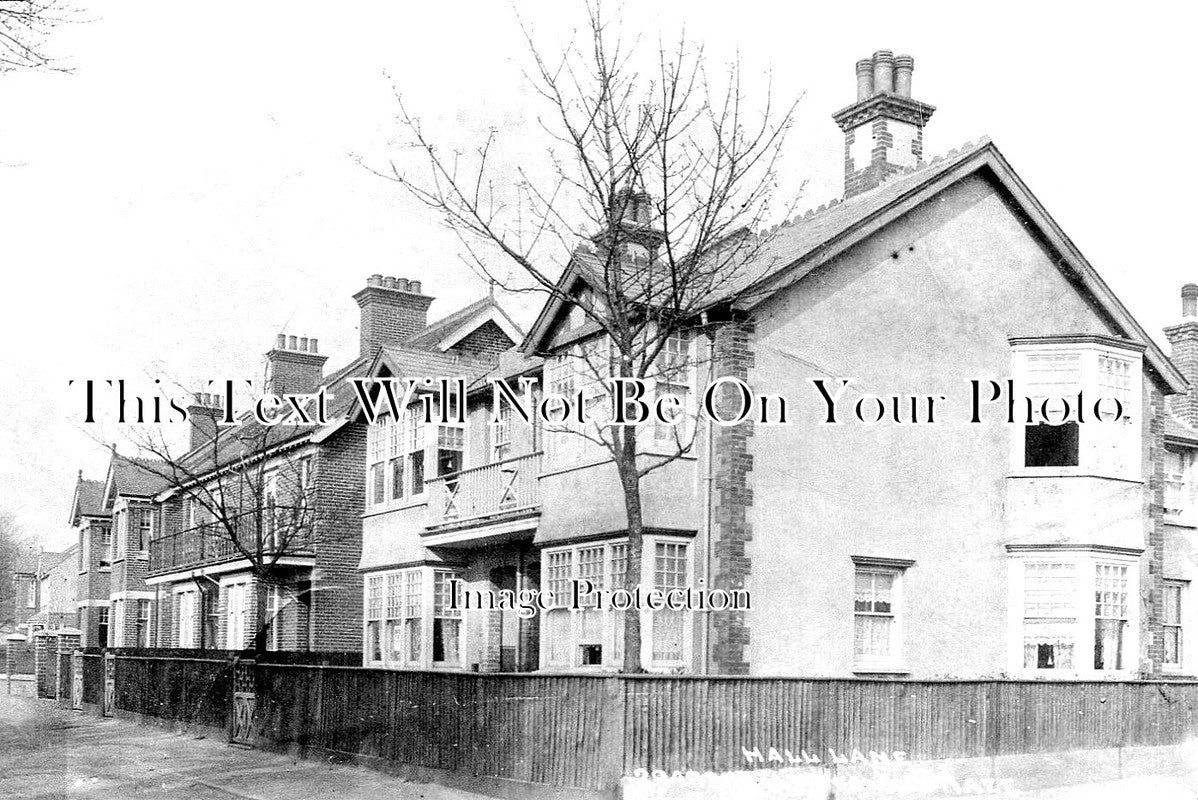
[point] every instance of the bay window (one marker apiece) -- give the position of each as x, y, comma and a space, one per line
408, 619
593, 636
1062, 435
1075, 610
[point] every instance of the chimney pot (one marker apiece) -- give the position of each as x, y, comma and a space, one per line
291, 343
414, 287
388, 282
865, 79
303, 344
403, 285
311, 345
903, 67
884, 72
196, 395
1189, 300
375, 280
281, 341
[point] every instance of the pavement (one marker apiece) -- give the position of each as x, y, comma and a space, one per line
50, 752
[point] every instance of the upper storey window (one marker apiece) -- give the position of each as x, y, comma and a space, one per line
1058, 382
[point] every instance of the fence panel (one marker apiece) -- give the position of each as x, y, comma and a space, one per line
194, 691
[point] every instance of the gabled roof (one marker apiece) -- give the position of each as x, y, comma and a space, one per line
29, 561
88, 500
448, 331
133, 477
795, 248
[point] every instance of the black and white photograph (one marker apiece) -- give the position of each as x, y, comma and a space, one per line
598, 399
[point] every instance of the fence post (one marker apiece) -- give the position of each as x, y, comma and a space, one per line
77, 680
109, 684
68, 640
10, 658
611, 734
45, 655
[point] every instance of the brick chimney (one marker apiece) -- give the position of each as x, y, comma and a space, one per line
393, 309
883, 130
1183, 347
203, 413
293, 365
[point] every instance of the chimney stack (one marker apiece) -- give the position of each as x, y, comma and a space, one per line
883, 130
1183, 351
203, 414
293, 365
393, 310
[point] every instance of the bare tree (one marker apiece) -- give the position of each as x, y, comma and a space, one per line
658, 182
25, 27
13, 542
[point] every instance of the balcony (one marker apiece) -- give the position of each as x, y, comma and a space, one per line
208, 545
490, 495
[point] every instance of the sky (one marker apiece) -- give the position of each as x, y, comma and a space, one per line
195, 185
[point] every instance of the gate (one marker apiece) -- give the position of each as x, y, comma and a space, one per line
77, 680
244, 701
109, 683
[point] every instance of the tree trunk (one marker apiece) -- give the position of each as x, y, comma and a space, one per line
260, 590
630, 483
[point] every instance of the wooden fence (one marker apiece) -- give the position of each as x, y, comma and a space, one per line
588, 731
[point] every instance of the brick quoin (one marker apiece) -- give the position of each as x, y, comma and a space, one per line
1152, 576
731, 530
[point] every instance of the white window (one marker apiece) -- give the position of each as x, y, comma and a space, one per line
1110, 616
1178, 466
590, 636
31, 594
669, 625
376, 454
121, 537
273, 607
404, 630
501, 434
237, 610
118, 623
271, 514
1075, 611
447, 622
1049, 614
105, 547
1174, 591
1051, 374
374, 616
142, 637
185, 617
672, 374
877, 629
145, 528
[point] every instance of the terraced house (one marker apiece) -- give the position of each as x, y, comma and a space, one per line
959, 548
94, 531
260, 527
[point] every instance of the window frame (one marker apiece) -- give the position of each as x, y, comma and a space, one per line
612, 623
1105, 449
1176, 626
1085, 561
894, 661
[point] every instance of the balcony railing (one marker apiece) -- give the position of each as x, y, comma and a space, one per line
504, 487
212, 544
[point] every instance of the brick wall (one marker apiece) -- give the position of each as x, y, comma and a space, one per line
880, 167
1153, 561
731, 531
337, 586
487, 340
389, 316
1183, 341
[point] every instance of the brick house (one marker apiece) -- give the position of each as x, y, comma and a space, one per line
307, 573
43, 590
128, 500
949, 549
93, 526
